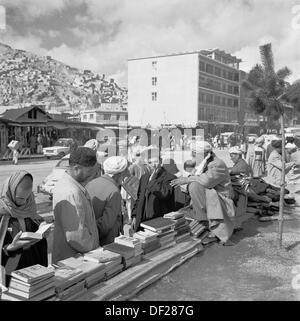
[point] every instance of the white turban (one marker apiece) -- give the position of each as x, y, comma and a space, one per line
92, 144
291, 146
235, 150
201, 146
114, 165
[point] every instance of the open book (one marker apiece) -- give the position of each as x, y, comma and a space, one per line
38, 235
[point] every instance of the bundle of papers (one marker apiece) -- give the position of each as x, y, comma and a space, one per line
34, 283
197, 229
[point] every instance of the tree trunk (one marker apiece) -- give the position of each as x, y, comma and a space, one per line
282, 185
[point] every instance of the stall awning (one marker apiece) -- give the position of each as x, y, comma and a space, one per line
58, 126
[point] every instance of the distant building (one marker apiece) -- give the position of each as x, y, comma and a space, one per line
190, 88
106, 114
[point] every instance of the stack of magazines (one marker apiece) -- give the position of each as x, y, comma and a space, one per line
182, 227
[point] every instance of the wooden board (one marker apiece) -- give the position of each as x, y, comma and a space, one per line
153, 267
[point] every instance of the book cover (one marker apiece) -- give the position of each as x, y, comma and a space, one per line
127, 240
65, 277
125, 251
102, 255
39, 234
33, 273
42, 296
174, 215
158, 224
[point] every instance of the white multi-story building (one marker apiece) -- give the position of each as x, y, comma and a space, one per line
184, 89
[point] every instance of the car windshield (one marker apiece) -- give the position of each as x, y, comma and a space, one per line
62, 142
63, 163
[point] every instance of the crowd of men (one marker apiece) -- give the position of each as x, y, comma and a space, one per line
90, 199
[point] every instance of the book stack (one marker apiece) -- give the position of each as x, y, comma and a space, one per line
182, 227
164, 227
127, 253
197, 229
34, 283
134, 243
69, 282
149, 240
111, 260
94, 273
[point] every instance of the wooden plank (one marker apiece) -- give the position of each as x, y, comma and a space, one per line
152, 268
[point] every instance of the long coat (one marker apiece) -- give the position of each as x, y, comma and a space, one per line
155, 197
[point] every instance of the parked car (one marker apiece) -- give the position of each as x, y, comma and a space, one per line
60, 148
49, 182
252, 136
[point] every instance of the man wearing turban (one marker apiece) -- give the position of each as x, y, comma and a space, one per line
106, 198
211, 194
274, 165
240, 165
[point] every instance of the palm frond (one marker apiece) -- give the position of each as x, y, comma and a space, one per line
283, 73
267, 59
256, 76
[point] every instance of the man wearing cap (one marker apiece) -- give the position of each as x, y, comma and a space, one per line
240, 165
155, 195
274, 165
75, 229
211, 194
107, 200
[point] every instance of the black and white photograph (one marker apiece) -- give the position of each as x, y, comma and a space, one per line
150, 153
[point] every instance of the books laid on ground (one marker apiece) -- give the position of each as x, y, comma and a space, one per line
33, 274
93, 272
182, 227
72, 291
112, 269
39, 234
197, 229
34, 283
159, 225
174, 215
127, 253
149, 240
131, 242
101, 255
65, 277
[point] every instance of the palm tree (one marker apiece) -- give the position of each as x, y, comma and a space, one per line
270, 93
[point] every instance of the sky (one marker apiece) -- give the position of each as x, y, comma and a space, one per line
102, 35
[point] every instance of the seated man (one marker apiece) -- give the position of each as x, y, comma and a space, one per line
240, 165
211, 192
107, 200
155, 195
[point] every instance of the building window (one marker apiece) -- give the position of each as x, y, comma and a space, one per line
230, 75
229, 102
224, 74
202, 66
154, 64
224, 87
217, 100
236, 76
218, 71
201, 97
154, 81
209, 98
230, 89
236, 90
107, 116
85, 117
235, 103
30, 114
154, 96
91, 116
209, 69
201, 81
224, 101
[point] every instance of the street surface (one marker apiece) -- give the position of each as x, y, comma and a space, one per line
253, 269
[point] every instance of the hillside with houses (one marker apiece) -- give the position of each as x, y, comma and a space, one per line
26, 78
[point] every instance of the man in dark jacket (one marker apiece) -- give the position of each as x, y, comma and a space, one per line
155, 195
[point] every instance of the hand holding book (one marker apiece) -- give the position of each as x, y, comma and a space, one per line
17, 244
